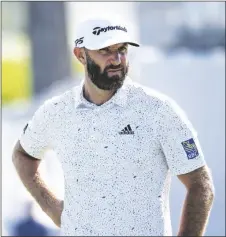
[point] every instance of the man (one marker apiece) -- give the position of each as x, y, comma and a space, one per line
118, 143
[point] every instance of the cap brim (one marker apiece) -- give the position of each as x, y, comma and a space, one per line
112, 41
134, 44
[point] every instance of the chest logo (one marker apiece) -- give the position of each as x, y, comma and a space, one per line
126, 131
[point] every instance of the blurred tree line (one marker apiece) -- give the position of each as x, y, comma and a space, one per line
47, 31
46, 37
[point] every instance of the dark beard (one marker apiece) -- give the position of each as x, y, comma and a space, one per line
102, 80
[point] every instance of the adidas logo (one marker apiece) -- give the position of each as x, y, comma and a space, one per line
127, 130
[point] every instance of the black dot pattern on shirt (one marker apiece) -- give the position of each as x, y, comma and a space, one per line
115, 184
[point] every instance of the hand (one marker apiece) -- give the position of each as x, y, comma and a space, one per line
56, 212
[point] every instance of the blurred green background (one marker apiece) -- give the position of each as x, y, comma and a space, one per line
17, 66
16, 73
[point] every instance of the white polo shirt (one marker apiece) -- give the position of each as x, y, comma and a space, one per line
117, 158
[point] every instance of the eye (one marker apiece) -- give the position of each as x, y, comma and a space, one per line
104, 51
122, 49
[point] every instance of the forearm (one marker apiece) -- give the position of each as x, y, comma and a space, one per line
27, 169
41, 193
196, 210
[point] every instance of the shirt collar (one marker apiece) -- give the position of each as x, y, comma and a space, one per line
119, 98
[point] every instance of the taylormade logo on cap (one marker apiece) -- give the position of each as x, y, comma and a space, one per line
98, 30
97, 33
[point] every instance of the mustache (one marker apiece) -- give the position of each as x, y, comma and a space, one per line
112, 67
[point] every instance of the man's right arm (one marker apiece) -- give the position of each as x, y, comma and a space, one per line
27, 169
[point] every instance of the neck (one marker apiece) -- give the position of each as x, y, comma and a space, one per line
95, 95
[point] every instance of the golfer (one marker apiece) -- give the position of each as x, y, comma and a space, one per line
118, 143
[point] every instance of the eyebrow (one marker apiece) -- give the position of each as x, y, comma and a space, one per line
104, 48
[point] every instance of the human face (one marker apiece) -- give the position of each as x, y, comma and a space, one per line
107, 67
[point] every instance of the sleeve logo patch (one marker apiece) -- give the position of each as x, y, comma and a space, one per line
190, 148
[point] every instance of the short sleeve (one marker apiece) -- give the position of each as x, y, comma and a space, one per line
35, 138
178, 139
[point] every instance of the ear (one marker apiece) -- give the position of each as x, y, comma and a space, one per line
79, 54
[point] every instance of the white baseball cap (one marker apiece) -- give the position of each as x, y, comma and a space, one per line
98, 33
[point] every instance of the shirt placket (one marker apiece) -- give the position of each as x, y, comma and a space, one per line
95, 135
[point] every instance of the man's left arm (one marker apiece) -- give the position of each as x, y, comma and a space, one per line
198, 202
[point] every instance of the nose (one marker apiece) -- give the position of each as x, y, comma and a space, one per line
116, 58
